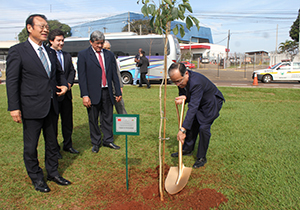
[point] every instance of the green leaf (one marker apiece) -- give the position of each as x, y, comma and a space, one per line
169, 2
152, 21
174, 13
145, 10
196, 21
182, 32
175, 30
181, 8
181, 15
188, 7
188, 22
151, 9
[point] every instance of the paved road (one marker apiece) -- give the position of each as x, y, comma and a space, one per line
241, 78
237, 78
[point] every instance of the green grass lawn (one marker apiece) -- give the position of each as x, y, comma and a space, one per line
252, 158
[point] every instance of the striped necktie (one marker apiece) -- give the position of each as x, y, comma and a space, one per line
59, 54
44, 61
103, 70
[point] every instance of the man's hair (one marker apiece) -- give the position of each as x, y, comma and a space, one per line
106, 41
29, 20
143, 52
96, 36
174, 66
54, 33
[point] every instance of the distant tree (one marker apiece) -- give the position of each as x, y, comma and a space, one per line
53, 24
294, 32
135, 27
290, 47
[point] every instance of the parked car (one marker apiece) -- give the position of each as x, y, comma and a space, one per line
205, 60
280, 71
0, 73
188, 64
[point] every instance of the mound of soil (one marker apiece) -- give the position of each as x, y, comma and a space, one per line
143, 194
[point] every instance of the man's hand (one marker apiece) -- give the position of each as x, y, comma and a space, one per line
69, 86
63, 90
86, 101
181, 136
178, 100
118, 98
16, 115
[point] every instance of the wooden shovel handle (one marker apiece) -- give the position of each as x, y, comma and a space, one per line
180, 121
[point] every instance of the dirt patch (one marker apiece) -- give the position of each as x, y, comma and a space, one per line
143, 194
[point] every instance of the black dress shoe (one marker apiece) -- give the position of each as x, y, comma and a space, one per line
71, 150
95, 149
111, 145
59, 180
199, 162
184, 152
41, 186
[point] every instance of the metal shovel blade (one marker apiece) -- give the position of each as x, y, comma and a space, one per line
178, 177
175, 180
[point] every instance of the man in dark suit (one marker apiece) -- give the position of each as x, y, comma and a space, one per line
56, 39
143, 64
32, 78
97, 72
204, 103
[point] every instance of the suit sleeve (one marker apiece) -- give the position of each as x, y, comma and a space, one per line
82, 75
13, 75
193, 105
119, 75
115, 77
71, 69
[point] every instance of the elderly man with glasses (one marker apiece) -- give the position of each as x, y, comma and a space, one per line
204, 103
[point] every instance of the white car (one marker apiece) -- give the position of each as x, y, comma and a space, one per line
280, 71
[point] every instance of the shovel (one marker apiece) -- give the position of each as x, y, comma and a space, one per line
178, 177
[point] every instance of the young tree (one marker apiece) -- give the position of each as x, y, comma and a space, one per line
289, 47
53, 24
162, 14
294, 32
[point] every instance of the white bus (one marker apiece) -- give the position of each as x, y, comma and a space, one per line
126, 45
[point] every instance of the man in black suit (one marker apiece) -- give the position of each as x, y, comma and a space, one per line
33, 77
97, 72
204, 103
143, 64
56, 40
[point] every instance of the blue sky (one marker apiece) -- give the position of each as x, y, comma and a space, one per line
252, 24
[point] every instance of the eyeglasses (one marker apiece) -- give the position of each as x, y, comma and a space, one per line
178, 82
43, 26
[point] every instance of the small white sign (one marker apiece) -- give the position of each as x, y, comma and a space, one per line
126, 124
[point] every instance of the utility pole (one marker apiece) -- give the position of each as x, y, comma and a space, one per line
227, 51
140, 29
191, 49
276, 39
128, 22
299, 31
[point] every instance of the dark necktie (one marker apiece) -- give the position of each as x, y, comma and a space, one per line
103, 70
44, 61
